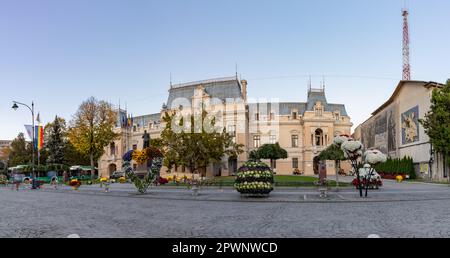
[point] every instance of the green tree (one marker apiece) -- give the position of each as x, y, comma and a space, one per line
195, 149
20, 151
273, 152
55, 143
92, 129
73, 157
437, 120
335, 153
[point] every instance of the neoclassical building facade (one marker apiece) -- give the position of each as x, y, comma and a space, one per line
302, 128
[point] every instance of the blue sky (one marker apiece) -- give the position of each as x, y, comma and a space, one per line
60, 52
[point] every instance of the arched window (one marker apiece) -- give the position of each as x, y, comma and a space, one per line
318, 137
112, 148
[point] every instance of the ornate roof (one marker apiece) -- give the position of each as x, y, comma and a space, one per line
221, 88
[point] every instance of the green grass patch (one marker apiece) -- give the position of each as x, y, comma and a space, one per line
280, 180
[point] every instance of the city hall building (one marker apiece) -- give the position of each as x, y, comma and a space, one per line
394, 129
302, 128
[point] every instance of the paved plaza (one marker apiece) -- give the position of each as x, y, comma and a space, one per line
397, 210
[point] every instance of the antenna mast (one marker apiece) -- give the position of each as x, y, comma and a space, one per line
406, 65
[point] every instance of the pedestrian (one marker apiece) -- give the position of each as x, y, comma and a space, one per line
17, 179
54, 182
65, 177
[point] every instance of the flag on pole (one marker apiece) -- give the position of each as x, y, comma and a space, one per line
38, 118
29, 129
39, 132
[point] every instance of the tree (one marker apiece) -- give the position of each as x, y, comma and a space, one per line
196, 150
273, 152
55, 144
73, 157
20, 153
4, 154
92, 129
335, 153
437, 120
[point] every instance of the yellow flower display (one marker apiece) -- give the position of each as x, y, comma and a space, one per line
140, 156
103, 179
122, 180
399, 178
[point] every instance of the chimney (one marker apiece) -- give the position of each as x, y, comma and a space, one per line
244, 89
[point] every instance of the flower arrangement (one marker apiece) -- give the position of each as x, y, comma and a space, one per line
103, 180
374, 157
140, 156
352, 149
153, 153
340, 139
163, 181
122, 180
369, 178
75, 183
254, 178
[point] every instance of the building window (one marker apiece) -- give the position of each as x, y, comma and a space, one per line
134, 146
134, 128
272, 139
318, 111
294, 115
112, 149
319, 137
294, 162
272, 116
134, 167
294, 139
256, 141
257, 116
183, 169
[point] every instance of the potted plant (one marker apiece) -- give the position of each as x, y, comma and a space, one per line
254, 179
75, 184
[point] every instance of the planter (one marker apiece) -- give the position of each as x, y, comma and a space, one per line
195, 190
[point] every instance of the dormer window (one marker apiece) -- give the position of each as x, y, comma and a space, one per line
294, 115
318, 109
272, 116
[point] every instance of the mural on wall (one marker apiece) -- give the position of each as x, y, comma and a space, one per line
381, 132
392, 140
368, 135
410, 125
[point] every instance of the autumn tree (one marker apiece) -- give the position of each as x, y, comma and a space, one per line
194, 147
437, 120
92, 129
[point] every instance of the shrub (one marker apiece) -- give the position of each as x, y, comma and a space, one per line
393, 167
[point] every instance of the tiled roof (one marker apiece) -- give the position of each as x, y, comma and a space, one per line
221, 88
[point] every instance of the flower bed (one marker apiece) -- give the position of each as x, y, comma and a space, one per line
254, 179
374, 182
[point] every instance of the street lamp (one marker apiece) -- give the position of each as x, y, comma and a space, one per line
15, 107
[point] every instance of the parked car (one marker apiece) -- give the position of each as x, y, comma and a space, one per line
117, 175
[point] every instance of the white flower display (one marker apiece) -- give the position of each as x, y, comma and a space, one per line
340, 139
364, 173
374, 157
352, 149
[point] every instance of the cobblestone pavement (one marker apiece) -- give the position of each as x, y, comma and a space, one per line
163, 213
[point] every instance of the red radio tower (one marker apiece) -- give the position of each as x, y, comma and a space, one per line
406, 65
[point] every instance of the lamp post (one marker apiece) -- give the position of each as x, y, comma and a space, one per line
15, 107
